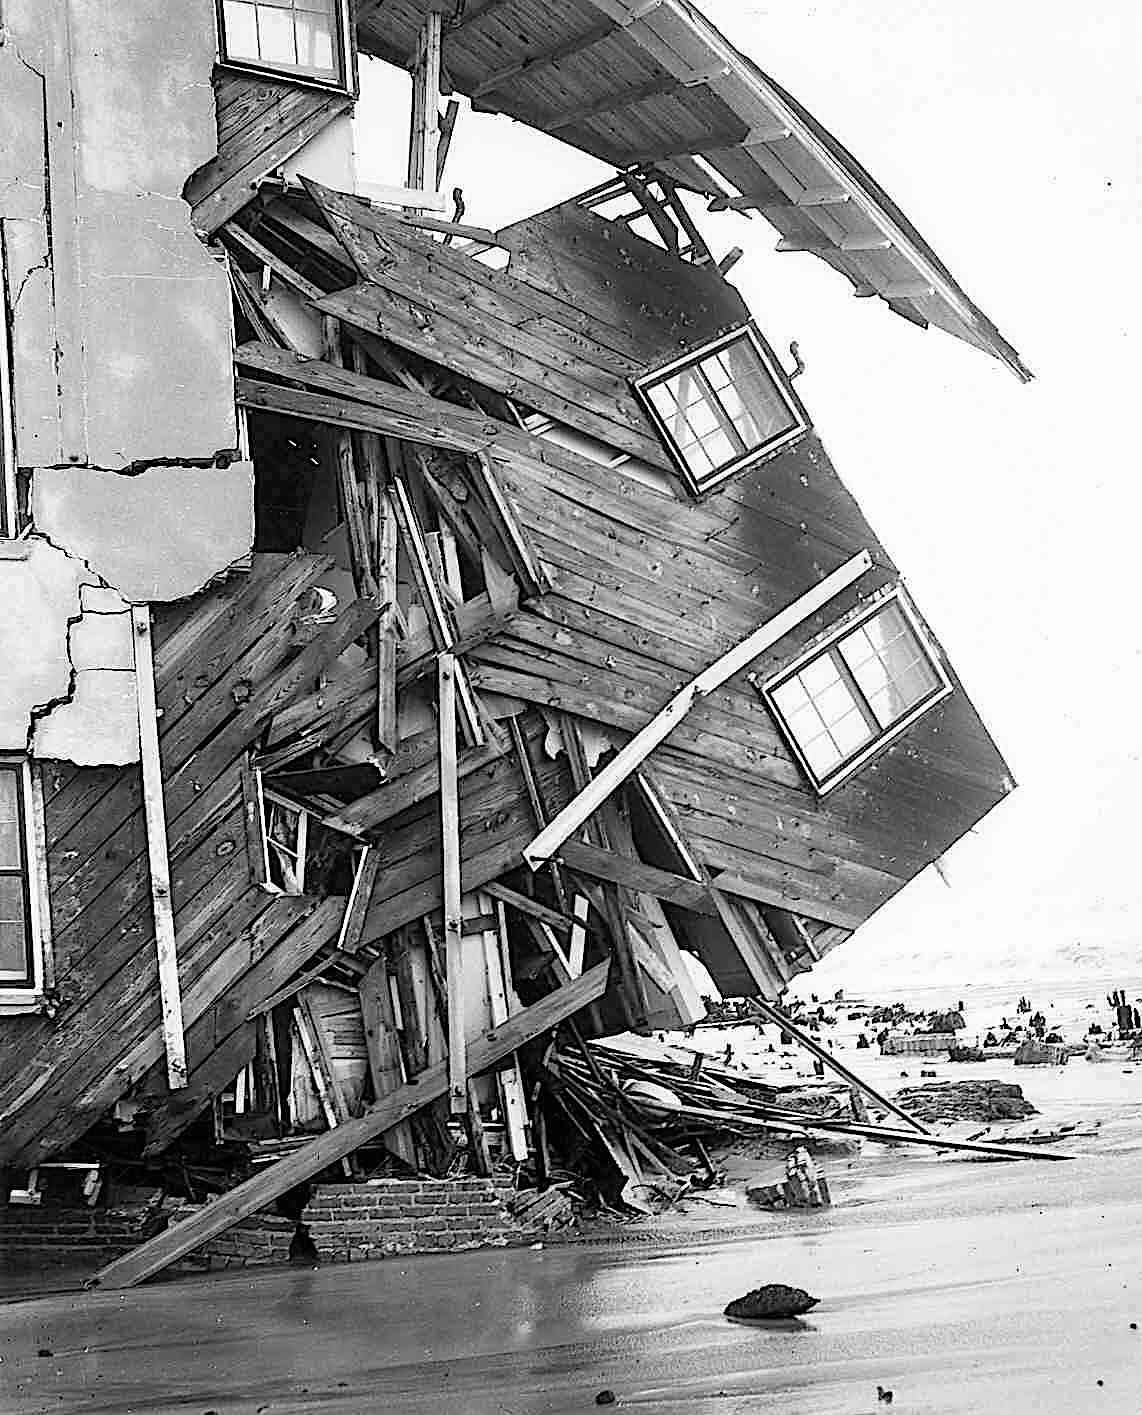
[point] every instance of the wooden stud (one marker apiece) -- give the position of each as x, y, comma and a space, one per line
154, 809
510, 1079
450, 848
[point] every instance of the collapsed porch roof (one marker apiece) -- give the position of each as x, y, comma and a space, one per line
653, 84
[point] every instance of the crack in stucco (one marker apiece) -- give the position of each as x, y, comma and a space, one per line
220, 459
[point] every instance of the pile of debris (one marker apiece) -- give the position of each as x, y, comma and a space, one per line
966, 1100
636, 1124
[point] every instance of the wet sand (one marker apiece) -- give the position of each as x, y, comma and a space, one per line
964, 1287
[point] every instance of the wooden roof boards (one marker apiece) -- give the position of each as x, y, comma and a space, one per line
653, 82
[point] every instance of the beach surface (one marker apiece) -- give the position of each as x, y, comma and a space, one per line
959, 1285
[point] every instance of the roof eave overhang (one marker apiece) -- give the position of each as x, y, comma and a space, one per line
770, 155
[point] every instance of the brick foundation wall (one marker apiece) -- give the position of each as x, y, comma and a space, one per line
347, 1222
355, 1222
74, 1237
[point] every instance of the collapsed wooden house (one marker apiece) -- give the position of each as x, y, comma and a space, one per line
476, 634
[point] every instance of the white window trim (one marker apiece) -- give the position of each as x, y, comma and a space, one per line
9, 517
814, 650
30, 999
345, 83
781, 382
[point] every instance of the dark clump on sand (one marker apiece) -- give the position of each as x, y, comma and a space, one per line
772, 1303
966, 1100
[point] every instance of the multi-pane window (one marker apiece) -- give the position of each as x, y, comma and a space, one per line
302, 37
723, 408
17, 937
851, 694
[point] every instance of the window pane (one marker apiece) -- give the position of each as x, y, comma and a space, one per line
241, 25
764, 411
889, 665
726, 404
821, 753
315, 42
275, 36
12, 904
14, 953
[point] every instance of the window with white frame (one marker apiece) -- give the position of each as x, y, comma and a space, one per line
302, 38
843, 699
723, 407
21, 931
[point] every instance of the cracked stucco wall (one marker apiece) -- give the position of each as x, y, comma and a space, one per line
121, 349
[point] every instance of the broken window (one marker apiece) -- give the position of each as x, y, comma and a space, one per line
21, 961
306, 38
723, 408
862, 687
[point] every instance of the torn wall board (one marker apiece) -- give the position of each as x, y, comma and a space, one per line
40, 595
157, 536
97, 726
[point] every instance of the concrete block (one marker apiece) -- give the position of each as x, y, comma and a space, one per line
97, 599
158, 536
98, 727
40, 595
103, 641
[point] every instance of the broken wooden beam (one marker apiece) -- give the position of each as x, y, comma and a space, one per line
256, 1193
648, 879
154, 812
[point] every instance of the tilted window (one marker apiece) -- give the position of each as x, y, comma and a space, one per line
302, 38
723, 408
21, 942
846, 697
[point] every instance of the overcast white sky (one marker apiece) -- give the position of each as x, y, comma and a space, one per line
1008, 132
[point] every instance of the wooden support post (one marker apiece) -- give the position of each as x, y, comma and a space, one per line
450, 849
447, 128
154, 811
256, 1193
612, 902
511, 1081
424, 128
383, 1048
357, 530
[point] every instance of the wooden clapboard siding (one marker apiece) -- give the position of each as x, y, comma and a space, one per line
220, 664
665, 305
425, 298
496, 824
261, 124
